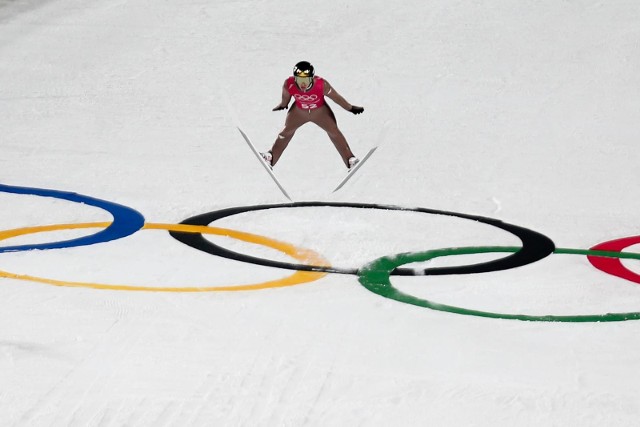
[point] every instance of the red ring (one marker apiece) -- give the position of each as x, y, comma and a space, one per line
614, 266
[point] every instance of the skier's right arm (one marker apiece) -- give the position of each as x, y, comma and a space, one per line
286, 97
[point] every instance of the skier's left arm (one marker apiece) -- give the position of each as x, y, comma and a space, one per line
333, 94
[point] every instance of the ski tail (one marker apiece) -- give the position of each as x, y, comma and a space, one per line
380, 139
263, 163
236, 123
355, 169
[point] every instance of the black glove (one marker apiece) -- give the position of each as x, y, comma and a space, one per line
279, 107
356, 110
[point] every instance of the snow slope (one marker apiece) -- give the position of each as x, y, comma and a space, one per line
526, 112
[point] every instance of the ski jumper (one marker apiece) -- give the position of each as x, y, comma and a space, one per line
310, 106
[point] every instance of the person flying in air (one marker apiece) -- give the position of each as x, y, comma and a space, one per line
309, 91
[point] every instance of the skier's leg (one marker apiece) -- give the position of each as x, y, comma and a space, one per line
295, 119
327, 121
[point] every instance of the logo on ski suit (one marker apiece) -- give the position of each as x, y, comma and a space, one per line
306, 102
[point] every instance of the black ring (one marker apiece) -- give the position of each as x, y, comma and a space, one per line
535, 246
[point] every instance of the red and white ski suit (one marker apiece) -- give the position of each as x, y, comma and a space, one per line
310, 106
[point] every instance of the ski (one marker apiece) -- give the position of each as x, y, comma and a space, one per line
263, 163
352, 171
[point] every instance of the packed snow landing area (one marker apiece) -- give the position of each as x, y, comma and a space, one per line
506, 181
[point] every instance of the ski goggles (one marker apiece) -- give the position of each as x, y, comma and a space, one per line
300, 80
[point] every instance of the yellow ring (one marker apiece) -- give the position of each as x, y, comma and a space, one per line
297, 278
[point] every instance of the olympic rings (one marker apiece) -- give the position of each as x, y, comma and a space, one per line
535, 246
126, 221
306, 97
375, 277
298, 277
614, 266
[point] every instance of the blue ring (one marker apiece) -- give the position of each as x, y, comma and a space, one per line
126, 221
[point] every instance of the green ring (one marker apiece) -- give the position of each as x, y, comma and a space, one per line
375, 277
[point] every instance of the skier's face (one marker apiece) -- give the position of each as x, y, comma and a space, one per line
304, 83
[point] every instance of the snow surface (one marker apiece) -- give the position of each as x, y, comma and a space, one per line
527, 112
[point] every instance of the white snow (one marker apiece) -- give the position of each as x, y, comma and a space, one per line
526, 112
